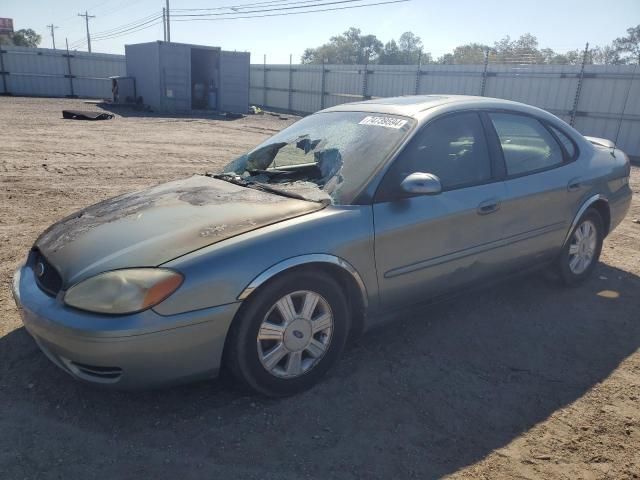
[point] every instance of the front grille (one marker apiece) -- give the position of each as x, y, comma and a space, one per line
47, 277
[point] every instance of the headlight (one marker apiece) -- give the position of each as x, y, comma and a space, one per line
124, 291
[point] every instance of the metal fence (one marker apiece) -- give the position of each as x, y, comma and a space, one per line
57, 73
598, 100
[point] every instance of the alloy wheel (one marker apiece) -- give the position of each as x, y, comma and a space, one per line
295, 334
583, 247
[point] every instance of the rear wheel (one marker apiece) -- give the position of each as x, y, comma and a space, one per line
582, 251
289, 334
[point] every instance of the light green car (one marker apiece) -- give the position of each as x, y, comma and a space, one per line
268, 267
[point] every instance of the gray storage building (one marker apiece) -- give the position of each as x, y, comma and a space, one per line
178, 77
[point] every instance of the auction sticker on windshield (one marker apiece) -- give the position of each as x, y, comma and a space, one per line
388, 122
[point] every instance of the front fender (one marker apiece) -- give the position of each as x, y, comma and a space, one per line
227, 272
305, 260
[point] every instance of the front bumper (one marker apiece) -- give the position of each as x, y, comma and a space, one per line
129, 351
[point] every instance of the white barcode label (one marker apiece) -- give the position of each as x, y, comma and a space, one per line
388, 122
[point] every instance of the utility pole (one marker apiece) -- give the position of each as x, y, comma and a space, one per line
168, 23
86, 18
164, 23
53, 37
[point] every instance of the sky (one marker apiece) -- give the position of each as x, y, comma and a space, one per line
442, 25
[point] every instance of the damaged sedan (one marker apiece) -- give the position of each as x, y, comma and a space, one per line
268, 267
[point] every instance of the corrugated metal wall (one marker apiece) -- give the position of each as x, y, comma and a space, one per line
50, 73
609, 98
175, 77
143, 63
608, 105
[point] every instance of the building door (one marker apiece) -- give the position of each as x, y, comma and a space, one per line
234, 82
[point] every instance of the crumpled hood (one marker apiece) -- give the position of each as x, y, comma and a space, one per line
153, 226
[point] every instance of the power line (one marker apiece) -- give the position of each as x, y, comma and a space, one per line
115, 29
268, 9
133, 23
121, 30
143, 26
157, 18
117, 8
98, 5
291, 13
80, 43
243, 5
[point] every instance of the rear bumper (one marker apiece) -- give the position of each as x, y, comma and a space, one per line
128, 352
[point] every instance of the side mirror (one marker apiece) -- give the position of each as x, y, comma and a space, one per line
421, 183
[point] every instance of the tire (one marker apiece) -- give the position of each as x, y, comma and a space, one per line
253, 360
574, 271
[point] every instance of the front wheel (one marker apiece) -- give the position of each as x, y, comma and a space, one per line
289, 334
581, 253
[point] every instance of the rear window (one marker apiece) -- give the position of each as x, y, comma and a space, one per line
567, 143
527, 145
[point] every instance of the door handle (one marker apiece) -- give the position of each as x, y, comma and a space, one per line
488, 206
574, 185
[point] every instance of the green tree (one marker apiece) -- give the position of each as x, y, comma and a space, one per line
571, 57
25, 37
446, 59
549, 56
523, 50
390, 54
349, 48
607, 55
408, 50
411, 49
469, 54
629, 45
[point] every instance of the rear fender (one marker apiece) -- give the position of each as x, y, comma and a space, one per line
585, 206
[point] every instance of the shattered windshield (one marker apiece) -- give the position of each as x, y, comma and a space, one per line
324, 157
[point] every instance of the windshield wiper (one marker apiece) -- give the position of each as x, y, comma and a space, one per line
277, 191
238, 180
270, 171
229, 177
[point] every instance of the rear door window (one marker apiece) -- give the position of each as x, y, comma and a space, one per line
526, 144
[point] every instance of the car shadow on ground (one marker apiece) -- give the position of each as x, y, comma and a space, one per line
423, 397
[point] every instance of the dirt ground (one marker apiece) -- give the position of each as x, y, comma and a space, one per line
522, 380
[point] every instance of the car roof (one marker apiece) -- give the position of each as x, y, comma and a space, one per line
414, 105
